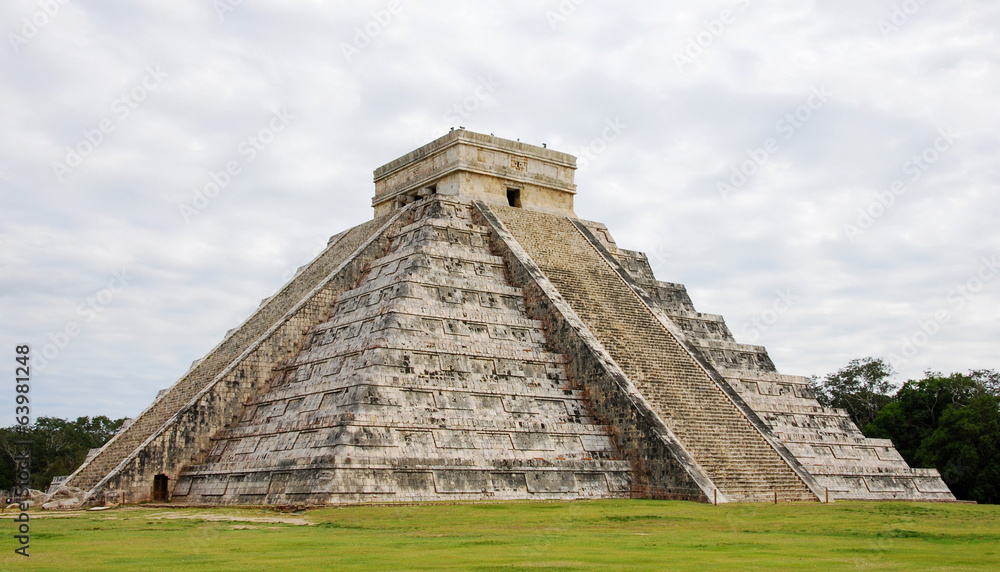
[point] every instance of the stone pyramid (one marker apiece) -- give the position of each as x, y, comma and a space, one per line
477, 340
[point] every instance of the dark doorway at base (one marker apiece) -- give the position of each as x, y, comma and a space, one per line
161, 489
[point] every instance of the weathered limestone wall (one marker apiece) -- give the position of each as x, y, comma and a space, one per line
831, 447
175, 429
491, 190
481, 167
426, 383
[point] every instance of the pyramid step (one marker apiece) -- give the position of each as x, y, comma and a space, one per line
429, 364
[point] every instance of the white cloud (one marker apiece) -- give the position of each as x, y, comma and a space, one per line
655, 186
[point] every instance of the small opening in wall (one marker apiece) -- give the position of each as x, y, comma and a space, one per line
514, 197
427, 191
161, 488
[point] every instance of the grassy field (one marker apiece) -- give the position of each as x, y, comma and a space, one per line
607, 535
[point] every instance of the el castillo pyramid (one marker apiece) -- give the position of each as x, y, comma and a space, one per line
477, 340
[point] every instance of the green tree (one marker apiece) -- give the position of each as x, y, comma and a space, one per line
988, 381
951, 423
917, 407
58, 446
965, 448
862, 387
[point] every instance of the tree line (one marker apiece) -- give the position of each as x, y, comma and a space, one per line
947, 422
58, 446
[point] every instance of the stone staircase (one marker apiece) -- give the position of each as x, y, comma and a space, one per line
732, 452
845, 463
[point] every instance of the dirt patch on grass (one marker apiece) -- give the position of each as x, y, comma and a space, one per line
179, 514
293, 520
49, 514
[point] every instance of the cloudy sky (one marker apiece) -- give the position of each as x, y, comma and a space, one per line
824, 175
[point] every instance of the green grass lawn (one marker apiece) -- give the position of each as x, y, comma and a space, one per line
607, 535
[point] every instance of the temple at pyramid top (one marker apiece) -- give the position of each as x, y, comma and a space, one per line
483, 167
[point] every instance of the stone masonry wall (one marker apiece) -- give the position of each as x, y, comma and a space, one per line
426, 383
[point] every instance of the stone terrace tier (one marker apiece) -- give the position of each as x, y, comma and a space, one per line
427, 382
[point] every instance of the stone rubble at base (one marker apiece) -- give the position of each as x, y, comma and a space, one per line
476, 340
